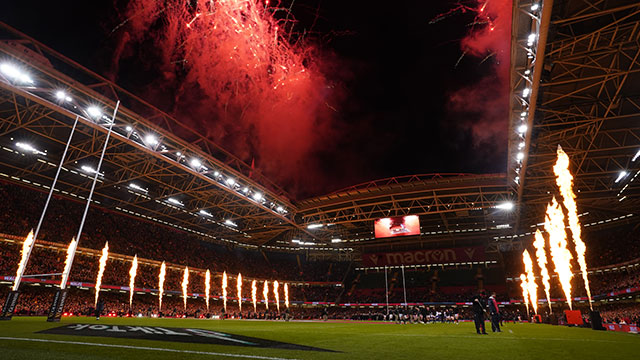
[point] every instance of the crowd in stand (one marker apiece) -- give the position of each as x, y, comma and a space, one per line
150, 241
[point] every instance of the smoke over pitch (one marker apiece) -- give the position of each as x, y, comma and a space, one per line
232, 70
484, 104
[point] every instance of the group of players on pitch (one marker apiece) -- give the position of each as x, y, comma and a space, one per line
422, 315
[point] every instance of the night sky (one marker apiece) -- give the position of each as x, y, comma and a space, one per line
395, 72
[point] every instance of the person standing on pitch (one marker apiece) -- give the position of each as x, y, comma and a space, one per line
478, 312
99, 308
495, 313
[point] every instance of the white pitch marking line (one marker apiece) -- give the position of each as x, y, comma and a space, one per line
146, 348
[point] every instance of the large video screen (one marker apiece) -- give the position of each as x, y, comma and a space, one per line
397, 226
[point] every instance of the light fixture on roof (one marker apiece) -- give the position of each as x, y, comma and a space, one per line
522, 128
257, 196
151, 140
196, 163
175, 201
336, 241
62, 96
520, 155
279, 208
230, 182
531, 39
94, 111
245, 190
621, 176
15, 74
296, 241
230, 223
527, 72
521, 145
205, 213
535, 6
314, 226
216, 174
636, 156
526, 92
507, 205
138, 187
523, 114
88, 169
29, 148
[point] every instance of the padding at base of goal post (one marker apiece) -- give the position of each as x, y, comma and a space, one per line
10, 305
57, 306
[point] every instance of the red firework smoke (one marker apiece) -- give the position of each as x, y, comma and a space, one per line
238, 77
486, 102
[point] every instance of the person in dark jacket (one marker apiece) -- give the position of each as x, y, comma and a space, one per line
479, 306
99, 308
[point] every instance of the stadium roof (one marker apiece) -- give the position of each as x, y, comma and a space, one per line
575, 82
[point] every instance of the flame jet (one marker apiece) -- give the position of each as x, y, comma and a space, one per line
286, 295
541, 255
554, 225
185, 284
254, 295
276, 294
103, 264
132, 278
532, 287
265, 294
24, 255
239, 290
525, 291
163, 273
67, 263
207, 287
224, 290
564, 180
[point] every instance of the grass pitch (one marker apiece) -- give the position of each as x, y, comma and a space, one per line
349, 340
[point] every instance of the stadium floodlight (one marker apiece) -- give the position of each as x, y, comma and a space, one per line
527, 72
508, 205
216, 174
526, 92
335, 241
62, 96
521, 145
314, 226
535, 6
230, 182
245, 190
296, 241
230, 223
129, 128
94, 112
205, 213
175, 201
257, 196
29, 148
636, 156
151, 140
279, 208
196, 163
88, 169
138, 187
621, 176
523, 114
531, 39
520, 156
15, 74
522, 128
